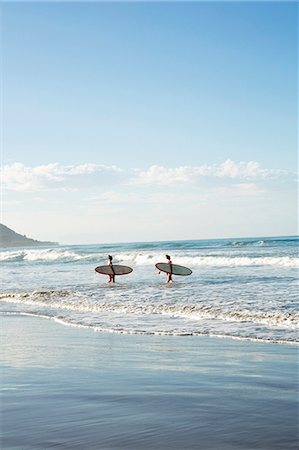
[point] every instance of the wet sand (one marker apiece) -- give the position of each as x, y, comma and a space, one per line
72, 388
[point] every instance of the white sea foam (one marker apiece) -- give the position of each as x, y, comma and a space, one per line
248, 243
217, 261
74, 302
144, 258
46, 255
118, 330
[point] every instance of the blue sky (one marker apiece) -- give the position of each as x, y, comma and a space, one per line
140, 121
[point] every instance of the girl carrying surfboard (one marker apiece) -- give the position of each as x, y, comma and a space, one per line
172, 269
169, 275
111, 276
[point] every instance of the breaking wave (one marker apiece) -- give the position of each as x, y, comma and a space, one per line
246, 243
146, 258
74, 301
43, 255
66, 321
262, 242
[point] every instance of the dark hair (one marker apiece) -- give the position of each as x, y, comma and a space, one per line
110, 257
167, 256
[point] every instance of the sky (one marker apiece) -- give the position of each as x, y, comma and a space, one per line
141, 121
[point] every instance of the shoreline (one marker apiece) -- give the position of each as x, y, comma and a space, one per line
133, 333
72, 388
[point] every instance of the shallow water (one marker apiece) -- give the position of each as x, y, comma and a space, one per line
239, 288
75, 389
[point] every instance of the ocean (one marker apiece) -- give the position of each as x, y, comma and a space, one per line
239, 288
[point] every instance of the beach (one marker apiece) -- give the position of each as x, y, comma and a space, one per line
73, 388
149, 244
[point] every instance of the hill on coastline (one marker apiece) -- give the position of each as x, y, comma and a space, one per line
9, 238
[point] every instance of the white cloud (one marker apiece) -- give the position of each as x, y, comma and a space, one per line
175, 198
50, 177
248, 189
115, 197
243, 170
18, 177
160, 175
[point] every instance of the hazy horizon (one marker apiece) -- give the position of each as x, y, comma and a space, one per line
171, 240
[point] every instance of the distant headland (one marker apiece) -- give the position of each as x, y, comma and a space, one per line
9, 238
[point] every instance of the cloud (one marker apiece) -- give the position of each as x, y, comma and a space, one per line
114, 197
55, 176
248, 189
18, 177
159, 175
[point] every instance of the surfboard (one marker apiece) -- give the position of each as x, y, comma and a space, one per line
175, 269
114, 270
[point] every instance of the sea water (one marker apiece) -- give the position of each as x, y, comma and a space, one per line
239, 288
